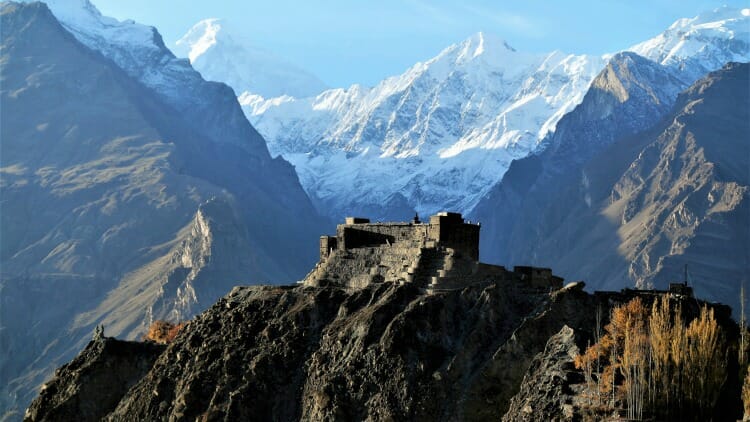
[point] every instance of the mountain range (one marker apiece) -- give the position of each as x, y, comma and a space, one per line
644, 199
474, 341
436, 137
441, 134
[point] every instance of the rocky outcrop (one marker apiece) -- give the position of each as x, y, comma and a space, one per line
92, 384
545, 393
386, 351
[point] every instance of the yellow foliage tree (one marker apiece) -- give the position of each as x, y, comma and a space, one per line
162, 332
660, 339
663, 364
705, 365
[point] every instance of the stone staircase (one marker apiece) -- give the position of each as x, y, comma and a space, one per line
444, 269
430, 266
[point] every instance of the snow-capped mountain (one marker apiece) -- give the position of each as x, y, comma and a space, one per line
140, 51
220, 55
443, 133
701, 44
437, 136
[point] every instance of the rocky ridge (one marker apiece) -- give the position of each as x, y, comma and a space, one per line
384, 351
387, 351
95, 380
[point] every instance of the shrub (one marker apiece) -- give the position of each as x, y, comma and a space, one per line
162, 332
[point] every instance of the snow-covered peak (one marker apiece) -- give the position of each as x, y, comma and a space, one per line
480, 62
86, 22
722, 16
489, 46
702, 43
221, 54
198, 39
481, 52
437, 136
140, 51
443, 132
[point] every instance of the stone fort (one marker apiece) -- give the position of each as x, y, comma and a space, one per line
439, 254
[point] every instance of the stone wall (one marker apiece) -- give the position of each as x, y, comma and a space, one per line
441, 254
361, 235
446, 229
450, 230
327, 244
539, 277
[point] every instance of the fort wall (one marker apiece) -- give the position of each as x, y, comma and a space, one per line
441, 254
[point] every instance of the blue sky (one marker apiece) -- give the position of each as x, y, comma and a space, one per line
357, 41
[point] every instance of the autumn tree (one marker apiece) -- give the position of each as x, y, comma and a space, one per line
632, 362
705, 361
660, 331
652, 362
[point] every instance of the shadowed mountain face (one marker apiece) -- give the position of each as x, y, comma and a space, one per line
642, 205
114, 210
630, 95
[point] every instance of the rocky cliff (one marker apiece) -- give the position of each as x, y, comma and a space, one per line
386, 351
95, 380
383, 352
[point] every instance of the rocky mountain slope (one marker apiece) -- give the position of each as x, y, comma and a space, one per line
140, 51
383, 352
115, 209
630, 95
220, 55
442, 133
648, 202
